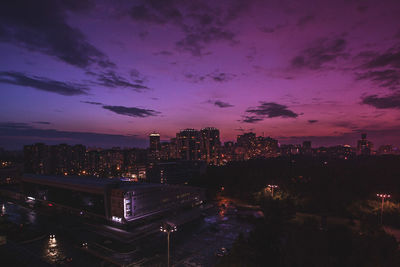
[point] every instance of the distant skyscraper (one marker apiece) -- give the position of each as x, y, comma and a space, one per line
228, 151
246, 140
188, 144
155, 144
364, 147
210, 145
36, 159
173, 149
386, 150
306, 148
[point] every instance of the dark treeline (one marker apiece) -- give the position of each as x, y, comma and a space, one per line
315, 184
324, 213
278, 240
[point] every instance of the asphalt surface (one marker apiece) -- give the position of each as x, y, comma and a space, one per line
194, 244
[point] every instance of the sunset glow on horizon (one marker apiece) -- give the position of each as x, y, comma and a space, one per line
110, 73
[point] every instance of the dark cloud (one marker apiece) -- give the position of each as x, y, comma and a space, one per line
240, 129
163, 53
202, 22
221, 76
268, 110
215, 76
156, 11
42, 122
390, 58
113, 80
384, 102
345, 124
312, 121
14, 125
194, 78
304, 20
252, 119
220, 104
272, 110
322, 51
43, 84
14, 135
389, 78
92, 103
127, 111
42, 26
143, 34
195, 42
132, 111
380, 68
135, 74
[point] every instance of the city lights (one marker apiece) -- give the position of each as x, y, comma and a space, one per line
116, 219
272, 187
383, 197
168, 228
266, 132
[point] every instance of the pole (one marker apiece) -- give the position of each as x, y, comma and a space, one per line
272, 189
383, 200
168, 246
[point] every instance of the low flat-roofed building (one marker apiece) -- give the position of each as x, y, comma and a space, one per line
112, 199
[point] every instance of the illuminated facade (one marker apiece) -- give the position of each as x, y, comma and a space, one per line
113, 200
188, 144
210, 145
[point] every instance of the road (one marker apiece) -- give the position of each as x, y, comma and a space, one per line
194, 244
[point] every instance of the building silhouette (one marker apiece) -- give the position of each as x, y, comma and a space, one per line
364, 147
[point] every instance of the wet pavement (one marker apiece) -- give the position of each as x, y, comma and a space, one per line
194, 244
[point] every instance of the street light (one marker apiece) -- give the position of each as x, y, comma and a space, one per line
168, 228
382, 196
272, 187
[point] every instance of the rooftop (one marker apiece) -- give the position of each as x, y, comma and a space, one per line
85, 183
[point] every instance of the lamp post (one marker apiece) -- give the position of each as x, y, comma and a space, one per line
382, 196
168, 228
272, 187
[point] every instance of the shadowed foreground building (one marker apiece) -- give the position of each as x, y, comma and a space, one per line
113, 200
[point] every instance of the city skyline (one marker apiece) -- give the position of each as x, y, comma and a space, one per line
124, 142
108, 74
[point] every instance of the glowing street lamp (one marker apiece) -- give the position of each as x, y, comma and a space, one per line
168, 228
272, 187
382, 196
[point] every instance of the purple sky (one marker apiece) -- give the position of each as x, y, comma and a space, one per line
108, 73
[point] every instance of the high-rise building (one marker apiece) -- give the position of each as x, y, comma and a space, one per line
249, 146
173, 149
36, 159
188, 144
364, 147
306, 148
165, 151
155, 144
228, 152
210, 145
385, 150
245, 145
